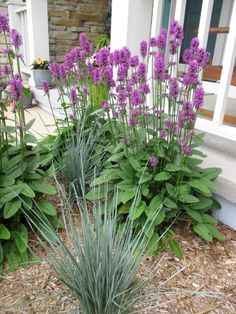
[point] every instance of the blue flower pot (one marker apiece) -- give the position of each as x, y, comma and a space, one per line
27, 100
42, 75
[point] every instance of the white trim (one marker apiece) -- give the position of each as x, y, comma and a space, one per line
157, 14
180, 8
227, 71
204, 24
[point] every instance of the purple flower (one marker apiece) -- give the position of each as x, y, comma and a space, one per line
73, 95
69, 61
167, 123
159, 67
187, 150
191, 76
202, 56
121, 72
45, 86
132, 122
188, 55
6, 70
4, 23
174, 88
85, 90
134, 61
109, 75
54, 69
180, 141
194, 44
16, 39
198, 97
161, 39
175, 128
123, 140
143, 48
176, 36
153, 42
145, 88
62, 71
101, 56
186, 118
159, 112
163, 133
84, 43
16, 87
153, 161
135, 97
141, 73
122, 96
97, 75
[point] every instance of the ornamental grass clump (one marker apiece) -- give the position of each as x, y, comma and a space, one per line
21, 179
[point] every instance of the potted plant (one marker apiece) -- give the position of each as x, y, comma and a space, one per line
40, 68
28, 97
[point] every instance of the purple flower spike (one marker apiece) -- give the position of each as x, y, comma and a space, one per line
16, 87
123, 140
84, 43
198, 97
54, 69
153, 161
45, 86
174, 88
73, 95
194, 44
161, 39
187, 150
6, 70
16, 39
163, 133
4, 23
159, 67
143, 48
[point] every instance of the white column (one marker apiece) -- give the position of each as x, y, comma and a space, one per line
157, 14
205, 20
180, 8
227, 71
130, 23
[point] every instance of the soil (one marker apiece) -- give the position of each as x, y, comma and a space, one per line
204, 281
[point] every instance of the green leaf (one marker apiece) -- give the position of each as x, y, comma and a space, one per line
4, 232
125, 208
30, 124
126, 185
172, 168
135, 164
47, 207
27, 191
203, 232
30, 138
197, 184
159, 218
170, 203
1, 272
1, 254
176, 248
162, 176
194, 161
214, 232
6, 181
137, 211
187, 198
195, 215
155, 202
12, 255
152, 244
20, 237
11, 208
9, 193
43, 187
170, 189
104, 179
145, 177
145, 189
211, 185
125, 196
99, 192
116, 157
26, 91
204, 203
211, 173
209, 219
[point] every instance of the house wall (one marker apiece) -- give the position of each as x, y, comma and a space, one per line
69, 18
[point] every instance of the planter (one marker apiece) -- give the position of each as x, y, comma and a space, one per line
42, 75
27, 100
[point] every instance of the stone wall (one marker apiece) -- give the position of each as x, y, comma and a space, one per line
69, 18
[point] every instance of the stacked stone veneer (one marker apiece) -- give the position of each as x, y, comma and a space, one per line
69, 18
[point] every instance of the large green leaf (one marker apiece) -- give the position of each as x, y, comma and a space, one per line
14, 258
135, 164
214, 232
199, 185
188, 198
203, 231
195, 215
125, 196
4, 232
47, 207
152, 244
170, 203
27, 191
204, 203
211, 173
145, 177
1, 253
162, 176
125, 208
154, 204
209, 219
159, 218
20, 237
42, 187
211, 185
11, 208
6, 180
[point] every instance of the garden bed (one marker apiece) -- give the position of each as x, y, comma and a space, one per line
204, 268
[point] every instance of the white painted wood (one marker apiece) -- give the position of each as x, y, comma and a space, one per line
204, 24
180, 8
221, 38
227, 71
131, 23
157, 15
209, 126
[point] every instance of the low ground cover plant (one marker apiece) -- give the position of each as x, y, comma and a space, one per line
22, 181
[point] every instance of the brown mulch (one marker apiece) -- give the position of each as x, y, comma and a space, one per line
205, 268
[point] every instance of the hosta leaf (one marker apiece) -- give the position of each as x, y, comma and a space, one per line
156, 202
42, 187
137, 211
20, 237
209, 219
162, 176
195, 215
176, 248
187, 198
4, 232
6, 180
170, 189
203, 232
11, 208
215, 233
159, 218
47, 207
197, 184
145, 189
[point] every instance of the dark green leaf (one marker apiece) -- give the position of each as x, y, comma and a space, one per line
11, 208
211, 173
187, 198
145, 177
20, 237
135, 164
176, 248
9, 193
42, 187
4, 232
6, 181
137, 211
209, 219
214, 232
199, 185
162, 176
170, 203
27, 191
203, 232
195, 215
47, 207
152, 244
